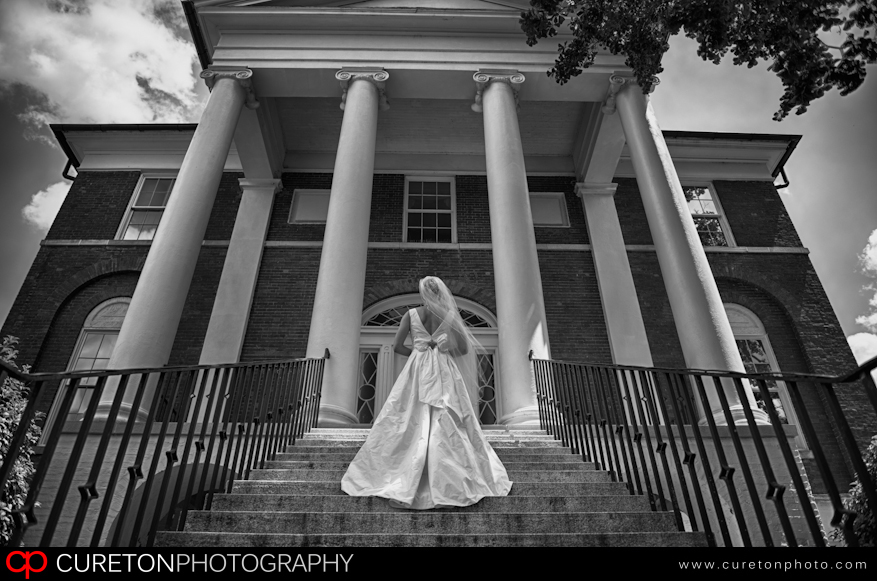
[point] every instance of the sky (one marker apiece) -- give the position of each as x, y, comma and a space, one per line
132, 61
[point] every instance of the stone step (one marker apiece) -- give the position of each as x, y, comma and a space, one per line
324, 443
505, 454
484, 428
333, 488
490, 436
507, 504
255, 540
514, 475
510, 466
434, 522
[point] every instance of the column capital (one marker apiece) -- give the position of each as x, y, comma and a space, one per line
616, 83
242, 76
484, 77
375, 76
595, 189
274, 185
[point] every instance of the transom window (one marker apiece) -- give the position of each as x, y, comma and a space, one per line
429, 210
712, 227
392, 316
150, 199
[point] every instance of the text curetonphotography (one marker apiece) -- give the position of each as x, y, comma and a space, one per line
209, 563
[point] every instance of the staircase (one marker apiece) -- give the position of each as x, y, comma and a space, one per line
556, 500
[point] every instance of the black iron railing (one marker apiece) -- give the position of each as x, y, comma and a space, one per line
672, 435
181, 433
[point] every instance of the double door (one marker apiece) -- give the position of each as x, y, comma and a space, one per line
380, 366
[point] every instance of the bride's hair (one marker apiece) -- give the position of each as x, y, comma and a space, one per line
436, 294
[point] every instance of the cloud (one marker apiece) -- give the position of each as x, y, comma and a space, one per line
868, 260
44, 205
99, 61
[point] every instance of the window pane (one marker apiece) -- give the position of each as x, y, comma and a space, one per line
709, 207
429, 188
413, 235
106, 346
146, 192
414, 219
444, 188
415, 202
444, 203
90, 345
152, 217
138, 217
429, 235
710, 232
132, 233
444, 235
309, 206
162, 192
415, 187
429, 202
83, 364
429, 220
444, 220
147, 233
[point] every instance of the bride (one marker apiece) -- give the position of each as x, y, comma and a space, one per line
426, 448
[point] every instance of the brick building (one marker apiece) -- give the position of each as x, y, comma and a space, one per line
283, 224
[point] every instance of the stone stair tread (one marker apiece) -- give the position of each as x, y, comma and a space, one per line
628, 539
509, 465
505, 454
514, 475
308, 487
523, 503
435, 521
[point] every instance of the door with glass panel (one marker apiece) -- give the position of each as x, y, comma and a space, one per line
380, 365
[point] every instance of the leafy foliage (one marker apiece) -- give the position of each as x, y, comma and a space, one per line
865, 525
13, 398
784, 32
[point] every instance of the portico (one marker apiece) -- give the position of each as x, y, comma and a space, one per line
457, 95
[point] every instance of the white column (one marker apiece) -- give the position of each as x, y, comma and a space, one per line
234, 296
147, 335
519, 304
624, 320
701, 323
337, 313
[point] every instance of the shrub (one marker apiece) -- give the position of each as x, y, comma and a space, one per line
865, 525
13, 398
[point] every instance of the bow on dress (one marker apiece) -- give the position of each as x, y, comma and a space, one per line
436, 378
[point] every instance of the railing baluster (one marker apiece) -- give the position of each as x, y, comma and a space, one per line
726, 473
220, 401
630, 425
662, 412
643, 385
88, 491
72, 464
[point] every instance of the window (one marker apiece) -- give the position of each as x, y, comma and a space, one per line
429, 210
150, 198
93, 350
708, 216
758, 357
309, 207
549, 209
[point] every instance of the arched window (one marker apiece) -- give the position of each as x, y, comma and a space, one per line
758, 357
95, 345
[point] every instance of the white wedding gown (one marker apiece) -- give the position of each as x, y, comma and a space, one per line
426, 448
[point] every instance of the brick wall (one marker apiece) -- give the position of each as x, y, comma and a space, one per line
95, 206
756, 214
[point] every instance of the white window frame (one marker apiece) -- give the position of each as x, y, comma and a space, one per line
564, 214
296, 195
431, 178
723, 219
88, 326
120, 232
758, 332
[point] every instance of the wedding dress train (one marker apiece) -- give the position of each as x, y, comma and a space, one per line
426, 448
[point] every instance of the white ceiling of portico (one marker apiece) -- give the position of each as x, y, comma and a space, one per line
430, 126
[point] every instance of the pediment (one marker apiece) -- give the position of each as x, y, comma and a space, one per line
515, 5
